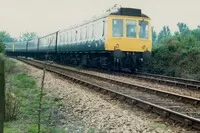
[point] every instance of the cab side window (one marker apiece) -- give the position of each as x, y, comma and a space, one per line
144, 26
117, 28
131, 28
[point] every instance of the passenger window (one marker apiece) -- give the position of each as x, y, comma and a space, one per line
103, 32
117, 28
71, 36
66, 37
88, 32
63, 38
92, 31
84, 33
81, 33
86, 27
60, 39
76, 34
144, 29
131, 28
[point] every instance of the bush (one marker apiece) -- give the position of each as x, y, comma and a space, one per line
2, 47
11, 101
12, 106
10, 67
178, 55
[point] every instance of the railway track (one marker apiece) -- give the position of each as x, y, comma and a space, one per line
180, 108
174, 81
162, 79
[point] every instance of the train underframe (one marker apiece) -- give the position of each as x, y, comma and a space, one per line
112, 60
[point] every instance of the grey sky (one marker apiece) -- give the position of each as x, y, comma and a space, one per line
46, 16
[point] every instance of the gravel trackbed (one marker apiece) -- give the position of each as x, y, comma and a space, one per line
86, 110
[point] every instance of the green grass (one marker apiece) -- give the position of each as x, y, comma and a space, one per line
10, 67
27, 92
25, 88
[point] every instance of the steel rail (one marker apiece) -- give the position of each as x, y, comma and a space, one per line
177, 81
173, 81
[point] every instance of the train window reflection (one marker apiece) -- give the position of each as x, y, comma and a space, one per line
143, 29
117, 28
131, 28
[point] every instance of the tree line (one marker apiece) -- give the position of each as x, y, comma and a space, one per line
166, 34
176, 54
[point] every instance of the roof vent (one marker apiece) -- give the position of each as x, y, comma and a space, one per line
128, 12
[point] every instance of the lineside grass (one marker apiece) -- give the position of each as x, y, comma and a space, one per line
26, 91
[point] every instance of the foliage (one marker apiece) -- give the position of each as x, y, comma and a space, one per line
164, 33
5, 37
2, 47
10, 67
178, 54
12, 106
154, 35
24, 89
183, 28
28, 36
11, 101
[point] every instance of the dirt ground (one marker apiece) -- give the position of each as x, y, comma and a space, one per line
85, 110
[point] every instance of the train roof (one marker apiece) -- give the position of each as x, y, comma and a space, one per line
129, 12
119, 11
122, 11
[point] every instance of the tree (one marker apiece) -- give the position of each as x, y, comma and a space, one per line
5, 37
154, 35
183, 28
2, 95
164, 33
196, 33
28, 36
2, 47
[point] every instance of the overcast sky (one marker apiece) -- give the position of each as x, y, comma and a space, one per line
46, 16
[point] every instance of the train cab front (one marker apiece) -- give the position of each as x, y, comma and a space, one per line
129, 37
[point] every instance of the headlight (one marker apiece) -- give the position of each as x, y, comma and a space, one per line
141, 59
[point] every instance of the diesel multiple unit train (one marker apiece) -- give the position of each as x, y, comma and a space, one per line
120, 39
